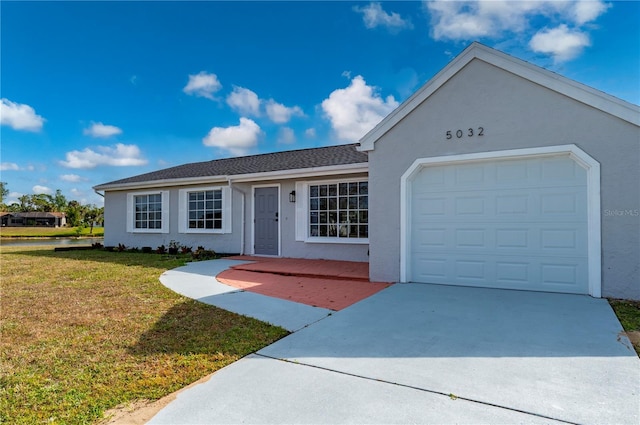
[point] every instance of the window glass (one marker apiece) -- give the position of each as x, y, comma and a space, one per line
148, 211
205, 209
339, 210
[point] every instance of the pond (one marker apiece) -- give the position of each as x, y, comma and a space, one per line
48, 241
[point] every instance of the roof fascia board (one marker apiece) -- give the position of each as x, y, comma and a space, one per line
331, 170
553, 81
239, 178
162, 183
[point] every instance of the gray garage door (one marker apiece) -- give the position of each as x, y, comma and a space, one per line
513, 224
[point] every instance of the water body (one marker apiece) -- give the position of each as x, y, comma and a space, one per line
48, 241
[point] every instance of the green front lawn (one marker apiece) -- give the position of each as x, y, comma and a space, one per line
49, 232
85, 331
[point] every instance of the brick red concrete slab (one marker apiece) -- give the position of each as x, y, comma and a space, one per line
351, 270
333, 294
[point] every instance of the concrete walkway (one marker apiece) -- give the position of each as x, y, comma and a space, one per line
198, 281
416, 353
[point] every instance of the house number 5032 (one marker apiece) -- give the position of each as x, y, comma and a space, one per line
470, 132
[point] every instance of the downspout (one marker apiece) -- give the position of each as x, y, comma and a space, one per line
244, 195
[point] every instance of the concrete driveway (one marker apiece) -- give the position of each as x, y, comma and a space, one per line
416, 353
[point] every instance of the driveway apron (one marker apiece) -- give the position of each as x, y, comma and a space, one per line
417, 353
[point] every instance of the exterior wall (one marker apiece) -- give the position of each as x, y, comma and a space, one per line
289, 247
515, 114
116, 231
115, 226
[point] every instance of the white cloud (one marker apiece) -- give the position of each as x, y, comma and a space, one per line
374, 16
19, 116
72, 178
280, 114
77, 192
9, 166
589, 10
310, 133
470, 20
244, 101
13, 197
97, 129
355, 110
464, 20
236, 139
286, 136
119, 155
202, 84
561, 43
37, 189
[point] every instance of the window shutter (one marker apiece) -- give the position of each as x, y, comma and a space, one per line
301, 211
130, 208
227, 200
182, 211
165, 211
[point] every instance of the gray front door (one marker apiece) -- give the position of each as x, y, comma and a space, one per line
266, 221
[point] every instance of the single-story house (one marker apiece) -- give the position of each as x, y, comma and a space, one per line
495, 173
34, 218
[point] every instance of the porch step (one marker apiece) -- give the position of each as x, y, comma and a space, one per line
314, 269
318, 291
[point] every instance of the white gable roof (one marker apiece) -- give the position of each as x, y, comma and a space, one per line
577, 91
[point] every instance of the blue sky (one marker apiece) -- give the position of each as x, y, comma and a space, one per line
97, 91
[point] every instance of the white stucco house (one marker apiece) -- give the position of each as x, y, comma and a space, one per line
495, 173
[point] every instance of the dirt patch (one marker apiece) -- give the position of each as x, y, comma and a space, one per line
140, 412
634, 337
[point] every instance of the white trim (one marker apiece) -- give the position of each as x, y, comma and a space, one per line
303, 173
244, 178
592, 167
302, 213
253, 218
164, 194
572, 89
183, 210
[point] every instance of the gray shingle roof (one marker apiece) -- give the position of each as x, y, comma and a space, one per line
263, 163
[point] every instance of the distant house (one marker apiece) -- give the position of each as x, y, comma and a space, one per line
34, 219
495, 174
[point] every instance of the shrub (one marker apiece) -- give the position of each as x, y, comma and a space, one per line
173, 247
121, 247
202, 254
161, 249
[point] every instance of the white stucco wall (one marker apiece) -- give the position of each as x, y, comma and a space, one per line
514, 114
116, 232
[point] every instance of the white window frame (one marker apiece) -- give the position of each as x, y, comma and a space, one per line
183, 210
302, 214
131, 205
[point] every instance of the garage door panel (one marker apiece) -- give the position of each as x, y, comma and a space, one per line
518, 224
496, 239
517, 205
564, 274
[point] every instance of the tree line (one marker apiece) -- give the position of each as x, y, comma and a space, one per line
76, 213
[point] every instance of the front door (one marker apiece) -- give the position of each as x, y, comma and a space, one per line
266, 221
